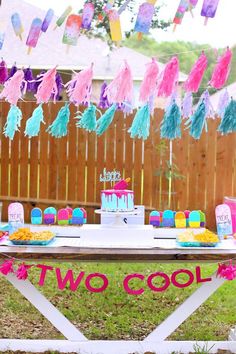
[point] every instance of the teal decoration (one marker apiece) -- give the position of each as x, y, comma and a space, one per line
105, 120
141, 123
171, 123
58, 128
228, 122
33, 123
197, 121
13, 122
87, 119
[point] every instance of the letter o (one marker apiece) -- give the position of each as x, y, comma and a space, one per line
126, 284
158, 274
96, 275
184, 285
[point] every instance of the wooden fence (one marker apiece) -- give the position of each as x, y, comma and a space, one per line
46, 171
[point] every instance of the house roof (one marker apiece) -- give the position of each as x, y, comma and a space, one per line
50, 50
215, 97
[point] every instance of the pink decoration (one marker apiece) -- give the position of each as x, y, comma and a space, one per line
122, 184
47, 86
69, 278
169, 78
227, 271
127, 287
44, 269
179, 285
166, 281
121, 88
149, 81
97, 289
195, 76
22, 271
7, 267
79, 88
221, 71
12, 90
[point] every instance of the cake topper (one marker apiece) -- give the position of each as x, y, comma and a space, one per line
107, 176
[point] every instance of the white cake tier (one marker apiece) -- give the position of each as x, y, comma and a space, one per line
117, 200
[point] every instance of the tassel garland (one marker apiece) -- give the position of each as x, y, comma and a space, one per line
105, 120
197, 121
33, 123
228, 122
141, 124
47, 86
187, 105
169, 78
195, 76
3, 72
87, 119
13, 122
171, 123
221, 71
223, 103
148, 85
12, 88
58, 128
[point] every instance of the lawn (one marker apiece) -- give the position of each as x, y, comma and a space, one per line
115, 314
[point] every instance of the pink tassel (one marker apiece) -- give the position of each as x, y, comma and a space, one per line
227, 271
195, 76
79, 88
47, 86
221, 71
121, 88
22, 271
7, 267
169, 77
149, 81
12, 90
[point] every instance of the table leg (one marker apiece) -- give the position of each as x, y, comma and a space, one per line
190, 305
59, 321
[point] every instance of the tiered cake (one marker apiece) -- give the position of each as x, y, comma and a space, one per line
119, 198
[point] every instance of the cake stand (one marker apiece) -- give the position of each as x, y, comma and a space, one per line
119, 216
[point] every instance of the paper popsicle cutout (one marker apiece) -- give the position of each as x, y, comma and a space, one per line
77, 217
209, 8
2, 38
144, 18
186, 213
63, 217
122, 184
70, 211
154, 218
16, 212
72, 30
168, 218
63, 16
194, 219
180, 220
87, 16
50, 216
202, 219
47, 20
115, 27
34, 33
17, 25
223, 220
36, 216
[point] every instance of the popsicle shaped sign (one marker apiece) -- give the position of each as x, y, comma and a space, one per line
180, 220
209, 8
36, 216
63, 16
16, 212
154, 218
72, 30
87, 16
34, 34
17, 25
47, 20
144, 18
70, 211
168, 218
84, 215
186, 213
50, 216
202, 219
77, 217
194, 219
63, 217
223, 220
115, 26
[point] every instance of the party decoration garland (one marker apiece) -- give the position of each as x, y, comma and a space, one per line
87, 119
169, 78
13, 122
144, 18
170, 125
58, 128
105, 120
47, 86
223, 103
209, 8
3, 72
12, 90
228, 122
148, 85
221, 71
141, 123
33, 123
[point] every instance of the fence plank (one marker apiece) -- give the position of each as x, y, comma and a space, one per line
91, 174
81, 163
4, 161
72, 156
24, 152
52, 161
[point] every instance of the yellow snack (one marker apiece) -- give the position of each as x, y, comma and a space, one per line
24, 234
204, 237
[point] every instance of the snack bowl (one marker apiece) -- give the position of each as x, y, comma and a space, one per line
197, 244
32, 242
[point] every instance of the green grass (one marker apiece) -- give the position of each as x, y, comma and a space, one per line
114, 314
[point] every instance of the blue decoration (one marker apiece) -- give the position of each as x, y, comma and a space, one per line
228, 122
197, 121
13, 122
105, 120
170, 125
33, 123
36, 216
77, 217
58, 128
87, 119
141, 123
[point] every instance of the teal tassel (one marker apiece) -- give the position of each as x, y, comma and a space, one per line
141, 123
171, 123
33, 123
228, 122
13, 122
197, 121
105, 120
58, 128
87, 120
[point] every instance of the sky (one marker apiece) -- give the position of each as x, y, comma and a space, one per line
219, 31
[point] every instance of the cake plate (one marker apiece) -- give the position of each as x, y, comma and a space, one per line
119, 215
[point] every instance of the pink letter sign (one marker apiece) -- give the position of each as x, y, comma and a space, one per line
223, 220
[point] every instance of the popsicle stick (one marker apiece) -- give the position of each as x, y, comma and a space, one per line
174, 28
29, 50
191, 13
20, 36
54, 28
140, 36
67, 48
206, 20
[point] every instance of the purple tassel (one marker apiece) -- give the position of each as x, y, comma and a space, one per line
37, 83
29, 78
3, 72
209, 108
187, 105
60, 86
13, 70
223, 103
103, 101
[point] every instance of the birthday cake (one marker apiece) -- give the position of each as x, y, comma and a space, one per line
119, 198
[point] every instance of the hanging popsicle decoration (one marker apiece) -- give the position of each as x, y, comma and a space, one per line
63, 16
87, 16
2, 32
72, 30
209, 8
34, 33
144, 18
184, 6
17, 25
115, 27
47, 20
